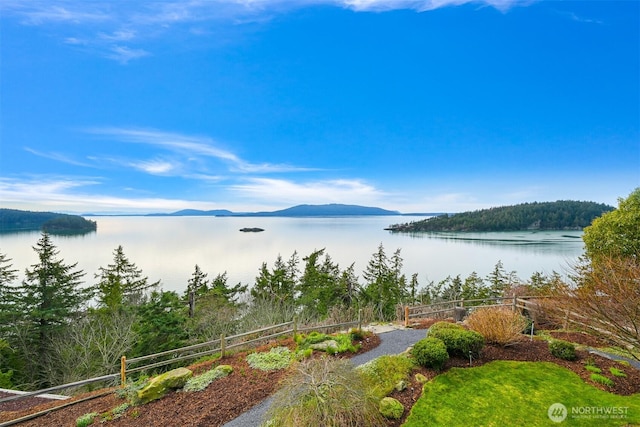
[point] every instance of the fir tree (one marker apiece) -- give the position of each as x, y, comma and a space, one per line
49, 298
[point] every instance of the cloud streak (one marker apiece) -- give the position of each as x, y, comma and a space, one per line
328, 191
121, 31
190, 147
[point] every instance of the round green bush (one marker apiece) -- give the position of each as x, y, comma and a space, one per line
438, 326
459, 341
430, 352
391, 408
563, 349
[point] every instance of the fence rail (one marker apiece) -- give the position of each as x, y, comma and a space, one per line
178, 355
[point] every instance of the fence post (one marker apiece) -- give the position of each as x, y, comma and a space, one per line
359, 319
123, 371
295, 327
515, 302
566, 320
222, 345
406, 316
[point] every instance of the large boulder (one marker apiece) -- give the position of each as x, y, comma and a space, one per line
326, 346
391, 408
162, 384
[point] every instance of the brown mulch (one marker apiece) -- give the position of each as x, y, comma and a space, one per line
226, 398
219, 403
580, 338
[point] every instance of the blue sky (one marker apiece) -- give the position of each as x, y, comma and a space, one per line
416, 106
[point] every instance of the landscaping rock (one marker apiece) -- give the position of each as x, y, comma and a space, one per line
162, 384
391, 408
402, 384
421, 378
325, 346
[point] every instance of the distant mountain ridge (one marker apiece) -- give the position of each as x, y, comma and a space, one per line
333, 209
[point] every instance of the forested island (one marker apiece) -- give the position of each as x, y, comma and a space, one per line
51, 222
559, 215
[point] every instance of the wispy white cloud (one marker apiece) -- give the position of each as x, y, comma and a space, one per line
124, 54
583, 19
329, 191
69, 194
155, 167
190, 147
121, 31
57, 157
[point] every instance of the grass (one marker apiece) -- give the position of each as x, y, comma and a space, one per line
617, 372
515, 393
601, 379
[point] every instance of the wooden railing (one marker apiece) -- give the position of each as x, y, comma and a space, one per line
190, 352
458, 309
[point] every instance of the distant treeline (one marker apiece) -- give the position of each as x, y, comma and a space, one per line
560, 215
51, 222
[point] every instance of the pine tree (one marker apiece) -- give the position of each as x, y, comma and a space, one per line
121, 283
318, 289
49, 298
198, 284
7, 292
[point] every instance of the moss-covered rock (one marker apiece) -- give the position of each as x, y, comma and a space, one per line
160, 385
391, 408
421, 378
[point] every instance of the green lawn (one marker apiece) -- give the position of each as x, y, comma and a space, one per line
507, 393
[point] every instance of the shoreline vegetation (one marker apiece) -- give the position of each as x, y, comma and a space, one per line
14, 220
547, 216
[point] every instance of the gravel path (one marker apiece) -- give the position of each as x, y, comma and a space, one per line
391, 342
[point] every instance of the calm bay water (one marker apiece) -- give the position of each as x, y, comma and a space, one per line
168, 248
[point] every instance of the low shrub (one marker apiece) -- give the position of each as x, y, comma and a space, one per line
344, 342
562, 349
430, 352
443, 325
601, 379
459, 341
383, 373
324, 392
498, 325
391, 408
86, 419
202, 381
617, 372
593, 368
274, 359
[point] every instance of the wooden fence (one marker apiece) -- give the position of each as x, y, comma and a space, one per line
183, 354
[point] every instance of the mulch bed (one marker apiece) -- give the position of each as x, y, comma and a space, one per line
224, 399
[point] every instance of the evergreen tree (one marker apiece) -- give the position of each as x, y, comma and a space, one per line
385, 286
474, 288
349, 286
319, 287
162, 323
499, 280
121, 283
49, 298
7, 292
198, 283
225, 294
277, 285
7, 314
